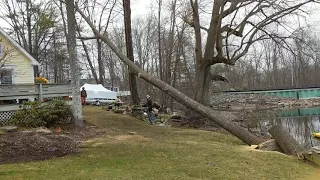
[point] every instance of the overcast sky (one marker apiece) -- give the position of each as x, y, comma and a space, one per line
141, 7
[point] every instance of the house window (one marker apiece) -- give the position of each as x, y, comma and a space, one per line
5, 76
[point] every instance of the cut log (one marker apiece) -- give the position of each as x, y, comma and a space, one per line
286, 142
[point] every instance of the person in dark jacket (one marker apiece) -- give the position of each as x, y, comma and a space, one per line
149, 109
83, 96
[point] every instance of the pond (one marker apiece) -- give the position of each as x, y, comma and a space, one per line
300, 123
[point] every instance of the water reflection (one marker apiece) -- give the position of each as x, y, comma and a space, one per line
300, 123
306, 112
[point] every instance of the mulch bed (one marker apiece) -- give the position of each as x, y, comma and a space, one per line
30, 145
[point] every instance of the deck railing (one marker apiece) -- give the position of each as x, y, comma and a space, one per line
34, 91
38, 92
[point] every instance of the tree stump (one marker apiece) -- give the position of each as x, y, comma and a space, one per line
286, 142
270, 145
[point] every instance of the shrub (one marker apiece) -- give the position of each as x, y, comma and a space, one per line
32, 114
41, 80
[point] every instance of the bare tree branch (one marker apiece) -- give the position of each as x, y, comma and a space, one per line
196, 22
6, 53
86, 38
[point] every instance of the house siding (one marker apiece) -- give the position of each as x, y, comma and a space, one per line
22, 65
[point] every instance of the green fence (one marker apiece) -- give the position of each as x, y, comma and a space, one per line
289, 93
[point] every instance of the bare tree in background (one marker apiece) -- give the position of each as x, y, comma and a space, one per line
32, 23
87, 56
36, 26
229, 19
6, 53
100, 12
159, 39
271, 66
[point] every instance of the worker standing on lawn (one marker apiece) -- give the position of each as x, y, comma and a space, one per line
149, 109
83, 96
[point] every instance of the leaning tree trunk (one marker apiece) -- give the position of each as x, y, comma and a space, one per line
221, 120
74, 64
132, 77
286, 142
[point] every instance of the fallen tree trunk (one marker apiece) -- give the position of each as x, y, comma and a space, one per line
225, 123
286, 142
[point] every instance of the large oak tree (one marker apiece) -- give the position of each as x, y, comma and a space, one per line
235, 25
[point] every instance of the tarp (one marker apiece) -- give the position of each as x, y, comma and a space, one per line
97, 91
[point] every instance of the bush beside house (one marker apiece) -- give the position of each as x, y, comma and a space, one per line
34, 114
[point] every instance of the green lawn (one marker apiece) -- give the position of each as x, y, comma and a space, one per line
160, 153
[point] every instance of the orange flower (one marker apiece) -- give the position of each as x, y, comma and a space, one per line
41, 80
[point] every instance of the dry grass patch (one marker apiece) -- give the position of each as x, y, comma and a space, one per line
131, 138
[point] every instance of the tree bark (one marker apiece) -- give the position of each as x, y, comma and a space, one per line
169, 51
129, 49
29, 27
202, 81
179, 49
100, 63
55, 67
224, 122
111, 66
159, 41
286, 142
162, 63
74, 64
175, 69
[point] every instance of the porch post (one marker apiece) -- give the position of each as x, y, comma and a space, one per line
40, 93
